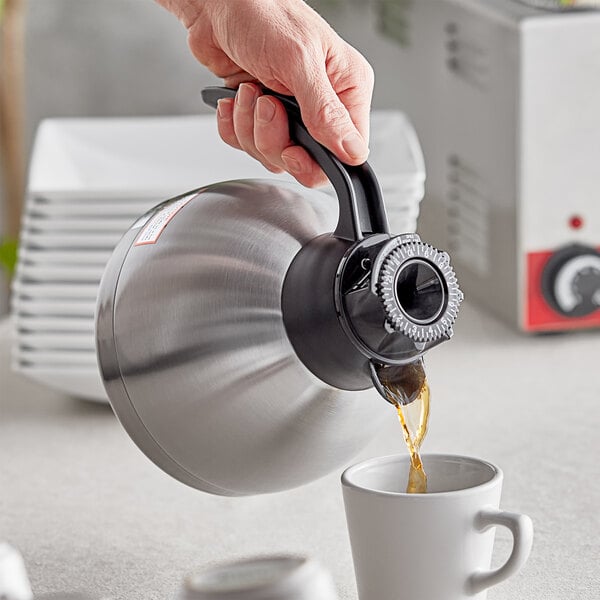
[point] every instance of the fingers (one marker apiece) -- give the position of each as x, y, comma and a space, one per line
270, 130
299, 164
258, 125
335, 105
272, 140
243, 123
225, 122
329, 122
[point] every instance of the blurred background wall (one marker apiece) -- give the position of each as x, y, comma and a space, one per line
130, 58
108, 58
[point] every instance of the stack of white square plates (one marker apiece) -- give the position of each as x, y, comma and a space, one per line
63, 249
91, 178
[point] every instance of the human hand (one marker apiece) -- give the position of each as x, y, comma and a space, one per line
287, 47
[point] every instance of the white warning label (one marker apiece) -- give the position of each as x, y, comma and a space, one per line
154, 227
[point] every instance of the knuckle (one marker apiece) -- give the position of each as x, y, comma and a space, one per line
273, 168
305, 48
263, 146
330, 114
361, 66
233, 143
368, 73
229, 138
314, 178
246, 141
251, 150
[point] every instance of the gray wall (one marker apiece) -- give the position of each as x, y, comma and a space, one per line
130, 57
108, 58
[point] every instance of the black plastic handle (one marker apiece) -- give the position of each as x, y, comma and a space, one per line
362, 211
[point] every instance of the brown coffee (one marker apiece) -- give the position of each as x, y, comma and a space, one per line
406, 387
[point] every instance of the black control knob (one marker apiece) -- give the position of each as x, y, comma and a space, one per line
571, 281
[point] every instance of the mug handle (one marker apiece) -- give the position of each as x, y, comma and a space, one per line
521, 528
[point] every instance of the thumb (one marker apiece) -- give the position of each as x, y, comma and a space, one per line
332, 120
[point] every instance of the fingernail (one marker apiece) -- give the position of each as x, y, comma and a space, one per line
354, 145
245, 96
225, 108
265, 110
291, 164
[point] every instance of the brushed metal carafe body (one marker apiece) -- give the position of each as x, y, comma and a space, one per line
238, 325
207, 361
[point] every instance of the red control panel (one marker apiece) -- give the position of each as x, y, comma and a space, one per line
541, 311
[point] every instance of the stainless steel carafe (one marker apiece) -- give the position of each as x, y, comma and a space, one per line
237, 336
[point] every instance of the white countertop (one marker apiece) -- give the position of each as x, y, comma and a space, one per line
90, 512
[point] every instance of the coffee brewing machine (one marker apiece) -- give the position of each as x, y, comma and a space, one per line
505, 97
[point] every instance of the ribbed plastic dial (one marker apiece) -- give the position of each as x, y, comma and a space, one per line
436, 325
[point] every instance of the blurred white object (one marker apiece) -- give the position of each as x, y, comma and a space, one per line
14, 583
91, 178
267, 578
397, 159
70, 596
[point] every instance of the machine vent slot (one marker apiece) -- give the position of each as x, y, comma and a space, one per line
468, 214
466, 58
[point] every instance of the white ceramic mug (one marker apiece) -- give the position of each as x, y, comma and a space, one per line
434, 546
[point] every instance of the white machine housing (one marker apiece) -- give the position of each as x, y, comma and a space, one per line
505, 98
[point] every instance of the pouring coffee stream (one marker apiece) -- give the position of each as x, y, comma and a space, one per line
238, 336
